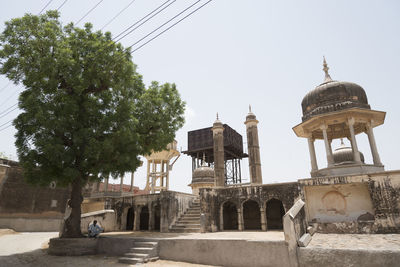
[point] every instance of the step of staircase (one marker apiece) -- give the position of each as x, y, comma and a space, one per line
189, 222
142, 251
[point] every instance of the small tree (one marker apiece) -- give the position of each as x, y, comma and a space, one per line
86, 113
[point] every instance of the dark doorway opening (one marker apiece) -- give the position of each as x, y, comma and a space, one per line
144, 218
130, 218
251, 215
230, 216
157, 217
275, 212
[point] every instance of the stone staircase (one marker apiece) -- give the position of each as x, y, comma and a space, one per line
143, 251
189, 222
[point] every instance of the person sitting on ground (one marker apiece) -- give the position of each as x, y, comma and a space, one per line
94, 229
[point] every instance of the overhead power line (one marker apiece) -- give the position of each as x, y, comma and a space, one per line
134, 24
84, 16
8, 98
48, 3
6, 123
63, 3
2, 129
168, 21
5, 86
8, 112
8, 108
168, 27
119, 13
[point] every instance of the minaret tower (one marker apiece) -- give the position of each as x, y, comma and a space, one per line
219, 155
253, 148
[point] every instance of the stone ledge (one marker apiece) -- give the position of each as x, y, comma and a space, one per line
73, 246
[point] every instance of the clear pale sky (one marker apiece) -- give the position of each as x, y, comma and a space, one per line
268, 54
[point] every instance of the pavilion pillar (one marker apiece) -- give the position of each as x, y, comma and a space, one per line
372, 144
121, 184
356, 154
313, 157
328, 149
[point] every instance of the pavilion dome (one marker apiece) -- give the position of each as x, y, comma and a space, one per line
203, 174
332, 96
344, 155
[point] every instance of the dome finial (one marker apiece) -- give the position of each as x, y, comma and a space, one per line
217, 116
249, 108
204, 160
326, 68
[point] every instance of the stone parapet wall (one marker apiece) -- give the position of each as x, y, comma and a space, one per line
29, 224
368, 203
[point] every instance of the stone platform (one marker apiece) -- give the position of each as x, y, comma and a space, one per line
351, 250
234, 248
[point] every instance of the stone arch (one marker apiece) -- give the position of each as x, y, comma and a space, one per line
274, 212
229, 215
130, 218
144, 218
251, 215
156, 216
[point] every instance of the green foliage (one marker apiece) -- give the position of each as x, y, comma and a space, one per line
86, 112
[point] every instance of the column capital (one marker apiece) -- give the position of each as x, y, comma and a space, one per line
323, 127
351, 121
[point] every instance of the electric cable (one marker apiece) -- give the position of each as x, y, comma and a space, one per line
6, 123
8, 98
2, 129
4, 87
115, 37
63, 3
119, 13
8, 108
48, 3
8, 112
168, 27
76, 23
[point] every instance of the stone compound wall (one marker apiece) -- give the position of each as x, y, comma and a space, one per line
354, 204
212, 201
171, 206
25, 207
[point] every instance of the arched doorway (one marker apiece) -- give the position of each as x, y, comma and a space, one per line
130, 218
157, 217
144, 218
275, 212
230, 216
251, 215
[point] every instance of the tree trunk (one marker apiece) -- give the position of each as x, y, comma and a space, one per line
72, 225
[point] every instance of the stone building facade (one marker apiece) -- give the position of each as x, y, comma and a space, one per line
25, 207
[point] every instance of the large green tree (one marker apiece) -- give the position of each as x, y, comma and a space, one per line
86, 113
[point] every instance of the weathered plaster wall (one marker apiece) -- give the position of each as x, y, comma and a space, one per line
106, 219
225, 252
25, 207
211, 200
91, 206
384, 193
338, 203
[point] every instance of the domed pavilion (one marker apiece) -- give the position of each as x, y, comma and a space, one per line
333, 110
